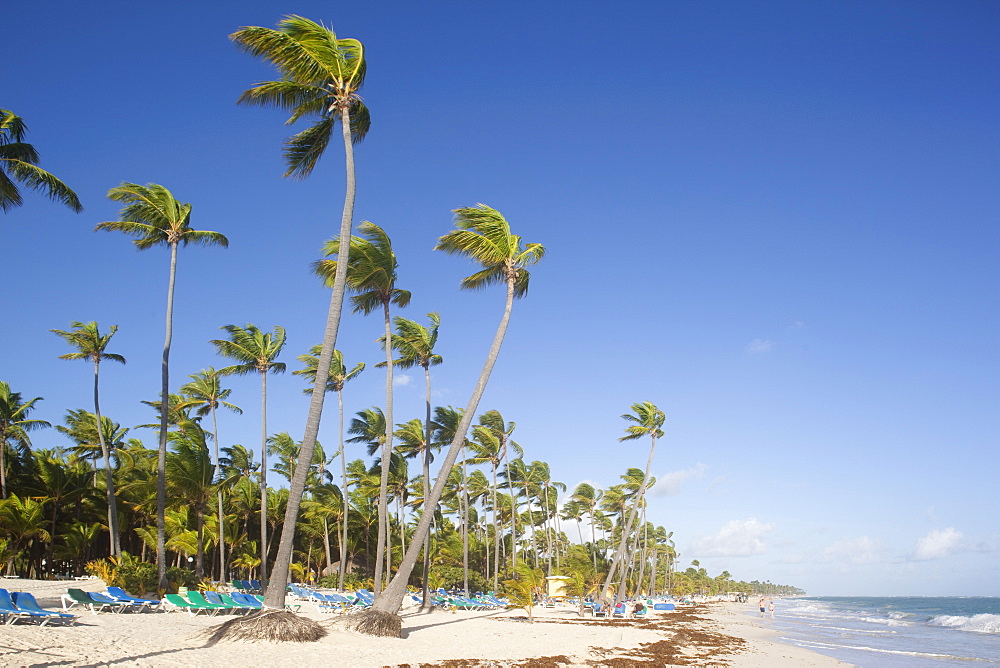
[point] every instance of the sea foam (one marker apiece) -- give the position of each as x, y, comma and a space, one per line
983, 623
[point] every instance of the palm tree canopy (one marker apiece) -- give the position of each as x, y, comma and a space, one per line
415, 343
321, 75
369, 428
648, 420
14, 422
89, 342
19, 164
484, 236
254, 349
205, 391
152, 215
371, 269
338, 376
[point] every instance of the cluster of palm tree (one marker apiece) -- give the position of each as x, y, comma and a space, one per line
488, 513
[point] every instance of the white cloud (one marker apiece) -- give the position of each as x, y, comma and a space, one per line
670, 484
738, 538
401, 379
940, 543
861, 550
758, 346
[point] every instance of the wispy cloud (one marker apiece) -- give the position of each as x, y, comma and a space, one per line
758, 346
401, 379
940, 543
670, 484
738, 538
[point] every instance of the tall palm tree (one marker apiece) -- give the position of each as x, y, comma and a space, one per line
446, 421
14, 426
256, 352
646, 420
588, 497
371, 276
91, 345
152, 215
484, 236
19, 163
415, 345
205, 392
321, 75
336, 379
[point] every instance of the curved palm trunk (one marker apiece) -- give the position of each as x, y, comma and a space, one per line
263, 482
627, 530
109, 482
593, 534
389, 601
514, 505
275, 597
343, 494
161, 459
383, 556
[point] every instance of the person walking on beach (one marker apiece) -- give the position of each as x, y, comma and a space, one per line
770, 607
762, 608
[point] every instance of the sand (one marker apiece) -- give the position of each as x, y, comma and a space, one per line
707, 635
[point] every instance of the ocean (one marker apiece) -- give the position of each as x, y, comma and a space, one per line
894, 631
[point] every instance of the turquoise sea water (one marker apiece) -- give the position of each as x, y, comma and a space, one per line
895, 631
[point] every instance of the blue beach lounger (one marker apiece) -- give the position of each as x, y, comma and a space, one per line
25, 601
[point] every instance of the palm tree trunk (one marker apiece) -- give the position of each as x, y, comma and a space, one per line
343, 495
620, 554
426, 599
381, 558
109, 482
391, 598
263, 483
222, 517
496, 535
161, 460
465, 525
275, 598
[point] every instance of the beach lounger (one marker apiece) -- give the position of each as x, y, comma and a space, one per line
11, 613
663, 606
248, 600
197, 598
74, 597
119, 594
192, 608
24, 601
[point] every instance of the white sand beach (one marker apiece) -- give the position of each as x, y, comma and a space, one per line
708, 635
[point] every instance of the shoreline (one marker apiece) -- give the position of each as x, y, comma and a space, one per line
706, 635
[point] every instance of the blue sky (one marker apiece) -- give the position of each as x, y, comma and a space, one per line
776, 221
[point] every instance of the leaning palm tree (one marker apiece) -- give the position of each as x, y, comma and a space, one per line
255, 352
321, 75
152, 215
646, 420
336, 379
415, 345
14, 426
371, 276
90, 345
205, 392
484, 236
19, 163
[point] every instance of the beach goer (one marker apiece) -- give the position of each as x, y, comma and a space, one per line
770, 607
762, 608
638, 609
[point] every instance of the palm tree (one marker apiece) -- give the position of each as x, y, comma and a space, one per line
206, 393
19, 162
190, 472
446, 421
14, 426
484, 236
255, 351
152, 215
415, 344
646, 420
22, 520
321, 75
371, 276
588, 497
336, 379
90, 345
